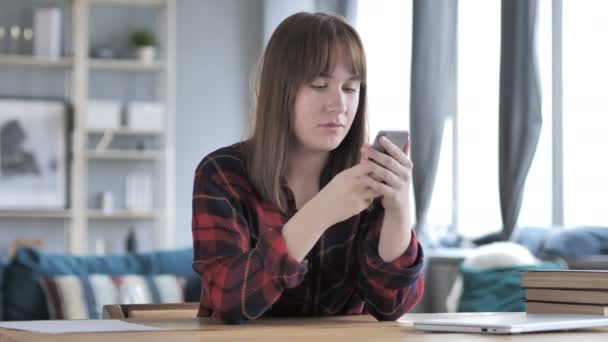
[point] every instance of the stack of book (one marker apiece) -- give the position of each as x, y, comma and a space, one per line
566, 291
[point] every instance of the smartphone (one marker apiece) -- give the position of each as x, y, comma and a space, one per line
399, 138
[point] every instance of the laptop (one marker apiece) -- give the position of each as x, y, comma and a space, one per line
509, 322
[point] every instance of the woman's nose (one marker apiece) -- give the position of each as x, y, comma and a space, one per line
336, 102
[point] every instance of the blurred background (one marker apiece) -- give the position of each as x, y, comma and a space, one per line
107, 107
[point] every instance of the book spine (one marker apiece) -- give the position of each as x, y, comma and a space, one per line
553, 308
564, 284
567, 296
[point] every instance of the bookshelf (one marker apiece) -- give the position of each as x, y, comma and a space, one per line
124, 155
144, 3
35, 214
125, 65
125, 131
21, 60
78, 68
122, 215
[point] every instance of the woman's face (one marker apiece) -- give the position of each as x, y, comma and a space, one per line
325, 108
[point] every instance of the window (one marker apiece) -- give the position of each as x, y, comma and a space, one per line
466, 192
478, 117
585, 110
386, 32
477, 153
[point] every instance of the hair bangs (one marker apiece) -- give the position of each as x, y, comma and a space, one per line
321, 48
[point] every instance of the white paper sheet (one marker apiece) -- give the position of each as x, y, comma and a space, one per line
77, 326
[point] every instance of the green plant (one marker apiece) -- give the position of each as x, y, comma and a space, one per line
141, 38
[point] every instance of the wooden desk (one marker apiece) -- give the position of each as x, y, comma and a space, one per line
345, 328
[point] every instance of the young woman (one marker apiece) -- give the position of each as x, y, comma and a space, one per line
304, 218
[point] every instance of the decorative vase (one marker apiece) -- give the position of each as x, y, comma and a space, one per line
146, 54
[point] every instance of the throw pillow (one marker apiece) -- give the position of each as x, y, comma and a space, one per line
22, 275
75, 297
496, 290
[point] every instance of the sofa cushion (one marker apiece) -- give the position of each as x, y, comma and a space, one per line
178, 262
24, 298
577, 242
532, 238
495, 290
75, 297
570, 242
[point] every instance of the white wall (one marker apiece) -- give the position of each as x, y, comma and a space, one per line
277, 10
218, 44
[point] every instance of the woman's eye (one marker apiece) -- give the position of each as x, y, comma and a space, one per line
318, 86
350, 90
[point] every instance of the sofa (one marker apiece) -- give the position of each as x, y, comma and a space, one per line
22, 296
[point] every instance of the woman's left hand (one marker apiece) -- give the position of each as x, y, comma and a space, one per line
391, 174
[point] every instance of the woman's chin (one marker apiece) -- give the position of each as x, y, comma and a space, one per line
325, 144
328, 146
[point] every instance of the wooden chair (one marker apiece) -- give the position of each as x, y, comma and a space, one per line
173, 310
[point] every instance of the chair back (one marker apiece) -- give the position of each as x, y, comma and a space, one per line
170, 310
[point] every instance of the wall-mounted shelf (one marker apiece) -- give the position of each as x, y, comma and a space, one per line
125, 65
125, 131
124, 155
145, 3
122, 215
31, 61
35, 214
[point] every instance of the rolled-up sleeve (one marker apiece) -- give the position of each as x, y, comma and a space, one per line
240, 279
390, 289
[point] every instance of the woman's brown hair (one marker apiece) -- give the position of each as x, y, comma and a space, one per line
301, 48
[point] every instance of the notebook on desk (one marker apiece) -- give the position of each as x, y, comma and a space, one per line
510, 323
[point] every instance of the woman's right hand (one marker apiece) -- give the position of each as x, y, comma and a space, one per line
346, 194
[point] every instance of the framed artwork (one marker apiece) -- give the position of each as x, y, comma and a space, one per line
33, 153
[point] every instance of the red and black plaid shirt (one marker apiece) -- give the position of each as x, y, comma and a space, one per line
240, 254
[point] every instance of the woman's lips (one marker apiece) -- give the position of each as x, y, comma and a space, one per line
332, 125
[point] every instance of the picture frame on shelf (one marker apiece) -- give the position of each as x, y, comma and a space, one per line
33, 153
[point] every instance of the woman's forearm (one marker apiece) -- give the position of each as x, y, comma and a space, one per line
395, 234
304, 229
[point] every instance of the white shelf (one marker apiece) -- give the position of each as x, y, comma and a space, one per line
125, 65
146, 3
122, 215
35, 214
94, 63
78, 68
125, 131
25, 60
124, 155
